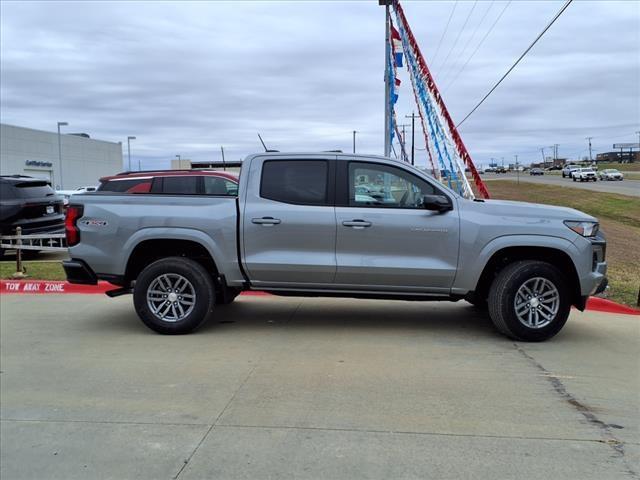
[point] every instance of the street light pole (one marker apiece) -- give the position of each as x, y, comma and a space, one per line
354, 141
413, 117
590, 156
517, 169
224, 164
60, 124
129, 152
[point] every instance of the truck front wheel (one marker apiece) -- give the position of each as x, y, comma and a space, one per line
529, 300
174, 295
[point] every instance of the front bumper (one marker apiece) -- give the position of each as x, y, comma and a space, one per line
595, 281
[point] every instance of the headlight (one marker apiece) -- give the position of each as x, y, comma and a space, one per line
586, 229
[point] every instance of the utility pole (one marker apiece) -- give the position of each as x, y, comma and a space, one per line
404, 141
544, 160
354, 140
517, 169
590, 156
129, 152
555, 152
413, 117
224, 164
387, 74
60, 124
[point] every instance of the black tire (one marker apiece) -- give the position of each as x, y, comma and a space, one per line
502, 295
574, 179
201, 284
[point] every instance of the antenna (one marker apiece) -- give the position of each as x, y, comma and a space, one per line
264, 146
262, 142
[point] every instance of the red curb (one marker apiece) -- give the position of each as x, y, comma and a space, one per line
46, 287
595, 304
598, 304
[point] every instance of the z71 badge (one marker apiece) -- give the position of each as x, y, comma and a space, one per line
90, 222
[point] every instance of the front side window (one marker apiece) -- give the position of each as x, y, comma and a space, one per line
300, 182
219, 186
374, 185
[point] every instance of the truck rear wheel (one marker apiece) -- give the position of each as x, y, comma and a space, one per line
529, 300
174, 295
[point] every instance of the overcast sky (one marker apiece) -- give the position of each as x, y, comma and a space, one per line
187, 77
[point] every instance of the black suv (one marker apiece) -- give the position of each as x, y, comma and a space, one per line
29, 203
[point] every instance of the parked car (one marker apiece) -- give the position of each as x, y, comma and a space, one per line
66, 194
536, 171
611, 174
568, 169
188, 182
29, 203
303, 225
584, 175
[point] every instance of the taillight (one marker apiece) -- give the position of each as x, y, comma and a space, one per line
74, 212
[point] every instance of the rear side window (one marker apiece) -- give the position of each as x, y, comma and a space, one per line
301, 182
180, 185
120, 185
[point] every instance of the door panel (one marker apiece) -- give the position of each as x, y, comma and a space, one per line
386, 239
413, 248
287, 243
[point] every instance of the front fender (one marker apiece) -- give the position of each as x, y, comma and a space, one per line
472, 262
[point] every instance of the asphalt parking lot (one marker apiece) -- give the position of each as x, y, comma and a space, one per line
626, 187
313, 388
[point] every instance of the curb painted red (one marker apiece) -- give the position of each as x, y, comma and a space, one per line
595, 304
45, 286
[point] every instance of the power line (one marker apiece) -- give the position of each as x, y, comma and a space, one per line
564, 7
477, 47
469, 40
445, 30
455, 43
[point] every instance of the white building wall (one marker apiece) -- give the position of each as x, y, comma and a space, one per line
84, 160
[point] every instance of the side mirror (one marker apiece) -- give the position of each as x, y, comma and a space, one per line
438, 203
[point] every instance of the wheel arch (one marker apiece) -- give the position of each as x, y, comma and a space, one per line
148, 251
507, 255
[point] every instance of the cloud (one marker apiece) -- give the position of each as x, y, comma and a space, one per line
187, 77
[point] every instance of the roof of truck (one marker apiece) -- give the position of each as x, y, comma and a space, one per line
170, 173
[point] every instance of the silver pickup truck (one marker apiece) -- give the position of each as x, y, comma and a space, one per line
336, 225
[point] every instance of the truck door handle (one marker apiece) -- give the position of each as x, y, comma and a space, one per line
357, 223
266, 221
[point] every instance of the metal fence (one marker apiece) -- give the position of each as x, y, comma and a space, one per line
46, 242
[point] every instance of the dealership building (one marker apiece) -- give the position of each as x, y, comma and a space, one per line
25, 151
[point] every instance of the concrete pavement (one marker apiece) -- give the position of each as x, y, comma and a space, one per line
313, 388
626, 187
